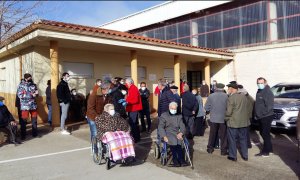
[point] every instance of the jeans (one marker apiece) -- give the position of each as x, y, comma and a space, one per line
49, 113
93, 128
64, 114
235, 134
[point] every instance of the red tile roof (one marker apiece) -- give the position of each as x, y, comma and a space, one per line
94, 31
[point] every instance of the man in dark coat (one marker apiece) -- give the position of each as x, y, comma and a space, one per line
145, 94
189, 108
177, 98
64, 98
264, 113
7, 121
204, 89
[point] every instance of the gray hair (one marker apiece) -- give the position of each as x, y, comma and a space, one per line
105, 85
130, 80
162, 82
107, 106
186, 87
173, 104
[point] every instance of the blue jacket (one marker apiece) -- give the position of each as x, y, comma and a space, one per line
189, 104
164, 99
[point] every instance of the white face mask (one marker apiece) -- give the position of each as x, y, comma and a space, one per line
173, 111
67, 79
111, 112
124, 92
74, 93
99, 84
122, 82
143, 88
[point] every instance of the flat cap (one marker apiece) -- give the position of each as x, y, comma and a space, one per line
173, 87
235, 86
220, 85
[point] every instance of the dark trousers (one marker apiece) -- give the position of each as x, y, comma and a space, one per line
12, 132
189, 125
176, 153
23, 127
135, 132
217, 130
264, 129
234, 135
143, 113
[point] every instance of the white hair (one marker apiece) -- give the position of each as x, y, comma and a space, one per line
130, 80
173, 104
107, 106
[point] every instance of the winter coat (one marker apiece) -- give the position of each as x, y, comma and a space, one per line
134, 101
164, 99
237, 114
264, 103
200, 112
107, 123
189, 104
48, 95
145, 98
169, 126
63, 92
216, 106
5, 116
96, 103
115, 95
25, 93
178, 101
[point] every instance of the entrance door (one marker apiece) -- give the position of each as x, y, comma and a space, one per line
194, 79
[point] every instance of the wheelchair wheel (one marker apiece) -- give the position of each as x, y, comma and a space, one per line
97, 151
107, 163
156, 151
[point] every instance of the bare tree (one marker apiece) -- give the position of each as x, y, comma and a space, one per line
15, 15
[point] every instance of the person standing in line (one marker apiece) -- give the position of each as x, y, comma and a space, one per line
64, 99
145, 94
27, 92
264, 113
213, 86
199, 124
18, 105
177, 98
237, 119
204, 89
48, 102
189, 108
216, 106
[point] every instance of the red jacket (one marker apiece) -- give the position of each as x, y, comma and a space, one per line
134, 101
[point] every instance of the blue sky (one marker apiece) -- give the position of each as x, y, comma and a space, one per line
92, 13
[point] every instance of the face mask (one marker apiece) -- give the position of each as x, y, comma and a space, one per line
67, 79
124, 92
30, 80
143, 88
109, 91
111, 112
203, 83
1, 103
122, 82
260, 86
194, 93
173, 111
74, 93
99, 84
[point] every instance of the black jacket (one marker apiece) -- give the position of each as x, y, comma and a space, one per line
165, 98
5, 116
189, 104
48, 95
63, 92
264, 103
145, 97
116, 95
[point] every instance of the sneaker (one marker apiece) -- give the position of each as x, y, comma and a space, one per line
64, 132
265, 155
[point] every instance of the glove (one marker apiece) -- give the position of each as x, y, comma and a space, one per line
121, 101
124, 104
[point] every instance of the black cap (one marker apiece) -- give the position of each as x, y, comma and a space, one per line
235, 86
232, 82
173, 87
240, 86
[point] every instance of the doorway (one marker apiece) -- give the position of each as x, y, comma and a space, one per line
194, 79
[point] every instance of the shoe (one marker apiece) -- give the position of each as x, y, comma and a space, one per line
265, 155
231, 159
64, 132
210, 151
245, 159
224, 153
174, 165
183, 164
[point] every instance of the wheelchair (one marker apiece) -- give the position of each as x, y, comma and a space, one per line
102, 153
162, 152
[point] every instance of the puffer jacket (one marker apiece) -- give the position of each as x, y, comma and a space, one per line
25, 93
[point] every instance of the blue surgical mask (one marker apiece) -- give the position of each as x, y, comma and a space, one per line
173, 111
109, 91
1, 103
260, 86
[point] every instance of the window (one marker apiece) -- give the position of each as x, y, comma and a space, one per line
141, 72
159, 33
79, 70
169, 74
184, 29
171, 32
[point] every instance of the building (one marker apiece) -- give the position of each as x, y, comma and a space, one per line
46, 49
264, 35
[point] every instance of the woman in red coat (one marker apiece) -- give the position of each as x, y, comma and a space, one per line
133, 106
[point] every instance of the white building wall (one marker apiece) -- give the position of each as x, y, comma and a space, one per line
277, 63
159, 13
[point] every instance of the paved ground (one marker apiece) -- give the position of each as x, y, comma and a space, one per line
53, 156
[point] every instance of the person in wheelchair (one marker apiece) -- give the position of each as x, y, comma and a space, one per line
7, 121
172, 128
110, 121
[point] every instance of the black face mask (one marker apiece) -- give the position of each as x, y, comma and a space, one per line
30, 80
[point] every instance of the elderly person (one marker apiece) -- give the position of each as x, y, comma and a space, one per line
171, 129
110, 121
